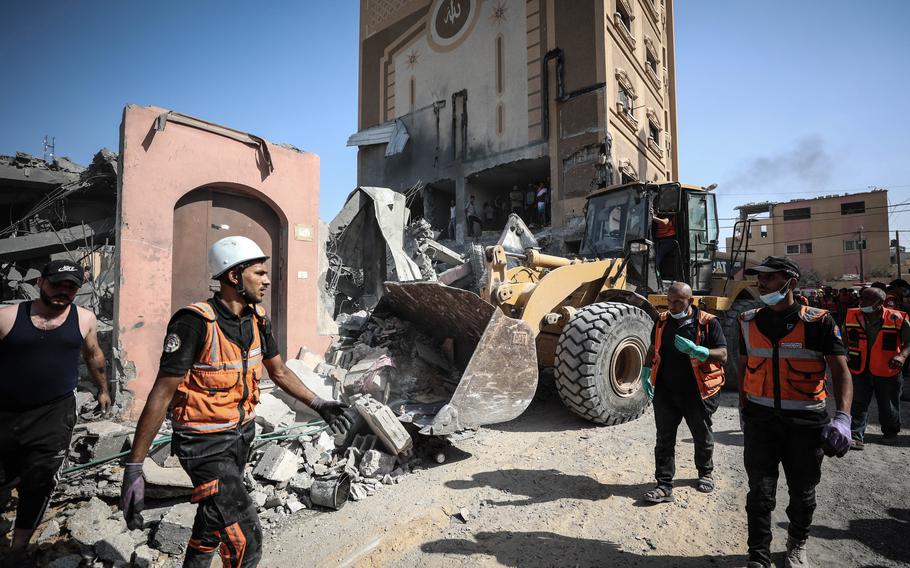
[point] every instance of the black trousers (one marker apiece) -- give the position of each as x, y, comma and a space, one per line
670, 408
887, 393
33, 448
226, 518
768, 444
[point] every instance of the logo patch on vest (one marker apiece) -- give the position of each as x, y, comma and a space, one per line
171, 343
792, 345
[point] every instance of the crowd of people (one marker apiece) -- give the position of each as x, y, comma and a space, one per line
531, 204
794, 352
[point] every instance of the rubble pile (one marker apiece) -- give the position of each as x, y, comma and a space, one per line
295, 464
416, 236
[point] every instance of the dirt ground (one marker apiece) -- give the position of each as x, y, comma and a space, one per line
551, 490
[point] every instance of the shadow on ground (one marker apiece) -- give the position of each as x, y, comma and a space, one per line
543, 486
551, 549
886, 536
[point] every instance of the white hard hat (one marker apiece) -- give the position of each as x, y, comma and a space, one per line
231, 251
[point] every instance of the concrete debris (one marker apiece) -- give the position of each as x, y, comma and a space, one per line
376, 464
272, 413
68, 561
277, 464
107, 438
358, 491
174, 529
293, 504
322, 385
165, 482
370, 376
144, 556
51, 531
384, 424
117, 549
301, 483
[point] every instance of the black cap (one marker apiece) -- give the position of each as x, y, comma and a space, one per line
775, 264
57, 271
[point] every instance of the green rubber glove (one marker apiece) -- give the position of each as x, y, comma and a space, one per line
689, 348
646, 382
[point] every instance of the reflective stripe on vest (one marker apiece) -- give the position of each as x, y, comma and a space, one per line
860, 355
221, 389
708, 376
798, 380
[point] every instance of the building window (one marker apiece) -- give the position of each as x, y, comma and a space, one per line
853, 208
797, 214
653, 132
792, 249
852, 245
626, 100
624, 15
500, 119
500, 83
651, 62
764, 231
805, 248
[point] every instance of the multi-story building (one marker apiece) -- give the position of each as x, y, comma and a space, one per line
823, 234
476, 97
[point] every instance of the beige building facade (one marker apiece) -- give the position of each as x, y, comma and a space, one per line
821, 234
475, 97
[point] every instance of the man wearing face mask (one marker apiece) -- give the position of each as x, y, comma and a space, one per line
878, 343
687, 356
784, 350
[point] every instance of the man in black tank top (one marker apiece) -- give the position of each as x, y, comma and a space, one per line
40, 343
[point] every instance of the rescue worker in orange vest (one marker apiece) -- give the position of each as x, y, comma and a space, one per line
208, 382
687, 356
784, 350
878, 344
666, 245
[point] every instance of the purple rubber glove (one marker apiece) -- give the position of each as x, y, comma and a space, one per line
132, 495
328, 409
836, 435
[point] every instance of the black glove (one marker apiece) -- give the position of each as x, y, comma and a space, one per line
132, 495
328, 409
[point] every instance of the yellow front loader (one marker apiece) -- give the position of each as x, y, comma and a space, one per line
588, 318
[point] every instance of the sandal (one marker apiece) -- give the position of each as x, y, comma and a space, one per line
659, 495
705, 484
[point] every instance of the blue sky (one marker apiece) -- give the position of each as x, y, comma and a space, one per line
777, 99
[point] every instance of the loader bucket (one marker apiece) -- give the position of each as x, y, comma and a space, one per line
496, 353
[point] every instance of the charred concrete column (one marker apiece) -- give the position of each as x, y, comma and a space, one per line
461, 199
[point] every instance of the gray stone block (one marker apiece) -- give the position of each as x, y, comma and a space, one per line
277, 464
174, 529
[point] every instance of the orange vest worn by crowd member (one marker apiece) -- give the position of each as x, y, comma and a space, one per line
665, 231
786, 372
887, 343
709, 376
221, 389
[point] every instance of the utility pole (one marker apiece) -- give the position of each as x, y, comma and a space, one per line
862, 271
897, 251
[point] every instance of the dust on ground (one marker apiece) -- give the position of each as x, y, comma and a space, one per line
549, 489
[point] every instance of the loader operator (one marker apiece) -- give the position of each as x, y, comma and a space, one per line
211, 365
667, 245
784, 350
687, 355
40, 343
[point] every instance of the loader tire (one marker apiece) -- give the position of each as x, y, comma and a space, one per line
599, 358
478, 259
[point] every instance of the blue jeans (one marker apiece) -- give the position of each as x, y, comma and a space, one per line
887, 393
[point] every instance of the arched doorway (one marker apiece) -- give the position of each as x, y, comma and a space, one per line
208, 214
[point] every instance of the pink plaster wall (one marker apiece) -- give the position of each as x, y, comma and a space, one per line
157, 169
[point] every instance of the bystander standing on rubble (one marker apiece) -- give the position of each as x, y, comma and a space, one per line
452, 220
687, 356
878, 344
211, 365
472, 217
784, 350
40, 342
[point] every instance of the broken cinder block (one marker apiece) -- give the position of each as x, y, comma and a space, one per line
384, 424
277, 464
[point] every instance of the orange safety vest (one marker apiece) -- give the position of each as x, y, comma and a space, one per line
887, 343
709, 376
799, 377
221, 389
665, 231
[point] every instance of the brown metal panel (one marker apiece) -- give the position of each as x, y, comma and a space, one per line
189, 274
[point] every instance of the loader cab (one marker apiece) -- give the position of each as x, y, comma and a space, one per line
619, 224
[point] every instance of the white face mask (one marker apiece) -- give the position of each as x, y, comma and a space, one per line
774, 298
680, 315
868, 309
